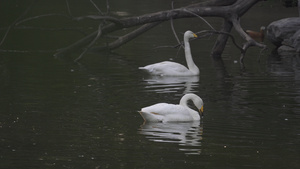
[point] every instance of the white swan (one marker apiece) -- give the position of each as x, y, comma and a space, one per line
168, 68
164, 112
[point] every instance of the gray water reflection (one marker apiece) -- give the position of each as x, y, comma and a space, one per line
168, 84
187, 135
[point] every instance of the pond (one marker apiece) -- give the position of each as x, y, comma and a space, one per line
55, 113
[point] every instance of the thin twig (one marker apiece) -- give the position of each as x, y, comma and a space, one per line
14, 23
128, 37
107, 7
200, 18
97, 17
250, 42
168, 46
261, 52
225, 33
26, 51
40, 16
68, 7
96, 7
172, 25
181, 46
78, 29
6, 33
207, 33
92, 43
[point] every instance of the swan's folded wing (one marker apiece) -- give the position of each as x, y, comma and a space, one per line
166, 68
165, 112
151, 116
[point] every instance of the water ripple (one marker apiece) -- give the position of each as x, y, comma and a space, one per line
187, 135
164, 84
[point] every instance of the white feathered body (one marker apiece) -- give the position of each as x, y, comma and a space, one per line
164, 112
168, 68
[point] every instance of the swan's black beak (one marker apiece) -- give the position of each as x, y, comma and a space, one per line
201, 111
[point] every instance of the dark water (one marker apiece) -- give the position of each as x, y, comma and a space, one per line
59, 114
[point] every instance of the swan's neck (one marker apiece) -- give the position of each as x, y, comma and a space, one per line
183, 102
188, 56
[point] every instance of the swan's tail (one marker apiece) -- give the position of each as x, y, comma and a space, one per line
141, 113
150, 117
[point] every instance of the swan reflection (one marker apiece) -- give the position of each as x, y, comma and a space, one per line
167, 84
187, 135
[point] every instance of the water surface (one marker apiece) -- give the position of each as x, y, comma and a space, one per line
58, 114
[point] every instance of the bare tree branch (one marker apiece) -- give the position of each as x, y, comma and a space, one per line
250, 42
107, 7
220, 43
226, 34
230, 11
91, 44
68, 7
237, 8
78, 29
85, 40
126, 38
98, 9
200, 18
96, 17
14, 23
208, 33
172, 25
40, 16
214, 3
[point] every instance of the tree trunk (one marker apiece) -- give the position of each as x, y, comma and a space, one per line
221, 41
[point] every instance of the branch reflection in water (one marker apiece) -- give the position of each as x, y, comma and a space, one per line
167, 84
187, 135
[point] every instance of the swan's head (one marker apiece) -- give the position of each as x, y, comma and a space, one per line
189, 34
199, 104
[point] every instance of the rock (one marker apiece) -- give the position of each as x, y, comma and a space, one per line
295, 40
285, 50
283, 29
292, 44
